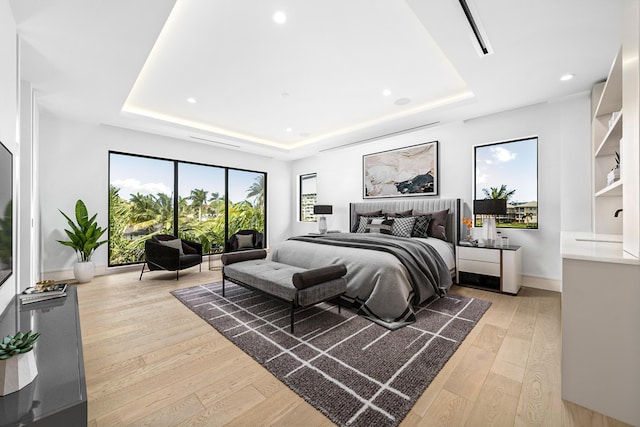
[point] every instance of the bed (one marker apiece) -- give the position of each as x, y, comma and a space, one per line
387, 275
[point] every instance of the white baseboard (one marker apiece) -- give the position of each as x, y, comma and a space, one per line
101, 270
542, 283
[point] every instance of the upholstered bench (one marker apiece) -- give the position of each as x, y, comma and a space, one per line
298, 286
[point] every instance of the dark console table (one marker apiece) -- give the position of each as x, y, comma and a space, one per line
58, 395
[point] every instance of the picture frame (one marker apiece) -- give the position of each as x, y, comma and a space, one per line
401, 172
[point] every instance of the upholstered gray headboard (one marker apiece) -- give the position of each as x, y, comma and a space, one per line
422, 205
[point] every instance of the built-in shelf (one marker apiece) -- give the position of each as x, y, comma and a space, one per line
606, 138
613, 190
611, 141
611, 99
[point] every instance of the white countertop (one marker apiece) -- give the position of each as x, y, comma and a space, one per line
595, 247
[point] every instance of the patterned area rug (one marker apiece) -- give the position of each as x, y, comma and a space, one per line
354, 371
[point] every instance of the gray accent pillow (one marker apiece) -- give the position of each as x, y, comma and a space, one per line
379, 225
175, 243
356, 224
399, 214
364, 221
244, 241
421, 226
438, 224
403, 227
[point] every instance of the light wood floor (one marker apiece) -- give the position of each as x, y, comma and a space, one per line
150, 361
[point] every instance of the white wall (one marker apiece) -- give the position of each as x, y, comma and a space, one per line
564, 170
8, 116
74, 165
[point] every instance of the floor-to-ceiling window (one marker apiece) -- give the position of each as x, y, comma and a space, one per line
149, 196
246, 200
201, 204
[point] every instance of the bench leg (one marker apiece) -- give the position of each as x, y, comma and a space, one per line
222, 285
293, 307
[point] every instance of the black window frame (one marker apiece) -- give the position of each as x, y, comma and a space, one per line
476, 218
176, 163
302, 177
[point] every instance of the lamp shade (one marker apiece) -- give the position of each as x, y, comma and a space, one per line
322, 209
490, 207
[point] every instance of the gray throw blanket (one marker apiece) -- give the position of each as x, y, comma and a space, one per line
427, 273
423, 262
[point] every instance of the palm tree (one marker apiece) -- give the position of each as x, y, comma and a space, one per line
198, 199
256, 190
501, 193
216, 204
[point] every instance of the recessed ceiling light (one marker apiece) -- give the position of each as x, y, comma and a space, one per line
279, 17
386, 92
567, 77
289, 129
191, 100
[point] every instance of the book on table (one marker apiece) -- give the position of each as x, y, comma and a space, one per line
33, 294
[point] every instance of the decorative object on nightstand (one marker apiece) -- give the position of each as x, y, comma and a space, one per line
17, 362
322, 210
467, 239
489, 208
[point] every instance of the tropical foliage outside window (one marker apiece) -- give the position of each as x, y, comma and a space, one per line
308, 197
509, 170
142, 203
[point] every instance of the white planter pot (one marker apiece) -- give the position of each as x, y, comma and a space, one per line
16, 372
84, 271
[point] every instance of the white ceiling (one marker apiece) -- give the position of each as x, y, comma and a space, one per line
315, 82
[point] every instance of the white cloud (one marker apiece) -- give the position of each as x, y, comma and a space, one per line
481, 178
501, 154
133, 186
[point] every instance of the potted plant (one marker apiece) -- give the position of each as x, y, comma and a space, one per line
84, 235
17, 362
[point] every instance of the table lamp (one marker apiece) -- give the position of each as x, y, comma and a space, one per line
322, 210
489, 209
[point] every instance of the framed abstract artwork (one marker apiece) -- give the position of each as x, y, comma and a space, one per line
408, 171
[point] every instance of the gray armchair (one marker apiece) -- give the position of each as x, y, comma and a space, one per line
166, 252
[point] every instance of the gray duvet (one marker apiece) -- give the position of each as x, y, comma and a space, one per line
386, 275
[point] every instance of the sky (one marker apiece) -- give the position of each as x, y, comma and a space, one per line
511, 163
134, 174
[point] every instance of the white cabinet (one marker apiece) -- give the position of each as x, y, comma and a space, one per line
600, 320
490, 268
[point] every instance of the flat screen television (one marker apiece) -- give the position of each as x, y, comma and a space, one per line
6, 213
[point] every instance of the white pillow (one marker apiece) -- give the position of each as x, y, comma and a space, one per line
175, 243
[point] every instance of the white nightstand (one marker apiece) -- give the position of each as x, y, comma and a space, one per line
492, 268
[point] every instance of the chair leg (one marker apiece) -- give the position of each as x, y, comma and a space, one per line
177, 274
143, 264
222, 285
